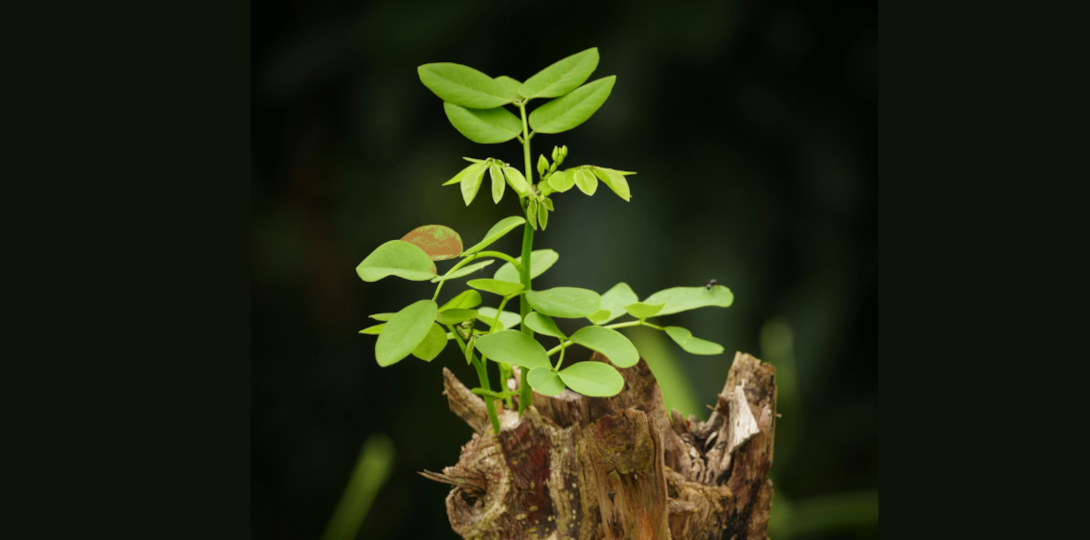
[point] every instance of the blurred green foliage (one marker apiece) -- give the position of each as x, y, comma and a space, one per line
372, 470
753, 128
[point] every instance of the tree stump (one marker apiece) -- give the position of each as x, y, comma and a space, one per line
617, 468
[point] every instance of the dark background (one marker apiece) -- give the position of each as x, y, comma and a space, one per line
753, 128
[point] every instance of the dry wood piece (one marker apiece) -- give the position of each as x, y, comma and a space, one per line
617, 468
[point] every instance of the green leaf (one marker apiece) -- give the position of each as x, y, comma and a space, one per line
692, 344
517, 181
463, 271
542, 216
498, 183
474, 160
397, 258
540, 261
542, 165
373, 330
497, 231
464, 300
566, 302
458, 177
561, 77
484, 126
439, 242
594, 379
531, 213
382, 316
641, 310
545, 381
511, 86
609, 342
565, 113
544, 187
542, 324
513, 347
455, 316
562, 180
586, 181
404, 332
502, 288
599, 316
471, 182
680, 299
616, 299
615, 181
432, 345
548, 203
463, 85
507, 319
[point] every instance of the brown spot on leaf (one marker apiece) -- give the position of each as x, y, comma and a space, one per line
439, 242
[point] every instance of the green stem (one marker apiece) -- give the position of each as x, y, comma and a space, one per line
454, 268
491, 394
560, 361
482, 374
504, 256
527, 246
505, 368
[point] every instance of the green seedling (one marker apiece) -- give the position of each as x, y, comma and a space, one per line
483, 109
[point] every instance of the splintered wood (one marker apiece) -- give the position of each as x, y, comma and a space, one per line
617, 468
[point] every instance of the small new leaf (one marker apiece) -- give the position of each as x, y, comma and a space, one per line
540, 261
373, 330
498, 183
542, 165
497, 231
471, 182
458, 177
517, 181
587, 182
464, 300
693, 345
464, 271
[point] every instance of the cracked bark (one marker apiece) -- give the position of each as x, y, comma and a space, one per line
617, 468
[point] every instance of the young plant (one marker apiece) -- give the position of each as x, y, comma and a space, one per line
476, 105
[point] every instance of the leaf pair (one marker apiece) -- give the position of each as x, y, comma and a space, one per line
537, 211
471, 178
540, 261
589, 378
411, 331
587, 176
621, 299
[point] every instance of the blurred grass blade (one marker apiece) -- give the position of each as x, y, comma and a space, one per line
372, 469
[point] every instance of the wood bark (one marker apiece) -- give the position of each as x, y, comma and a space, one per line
617, 468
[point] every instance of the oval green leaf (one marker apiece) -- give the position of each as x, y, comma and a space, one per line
599, 316
642, 310
464, 300
561, 77
693, 345
497, 231
517, 181
471, 182
545, 381
439, 242
382, 316
502, 288
464, 271
455, 316
680, 299
587, 182
463, 85
562, 180
566, 302
542, 324
404, 332
513, 347
508, 319
373, 330
615, 300
540, 261
615, 181
432, 345
565, 113
594, 379
484, 126
609, 342
498, 183
397, 258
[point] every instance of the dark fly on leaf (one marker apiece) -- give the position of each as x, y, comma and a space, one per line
710, 283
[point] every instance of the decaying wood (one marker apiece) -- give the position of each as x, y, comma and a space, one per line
617, 468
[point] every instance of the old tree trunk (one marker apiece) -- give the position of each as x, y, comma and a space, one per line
591, 468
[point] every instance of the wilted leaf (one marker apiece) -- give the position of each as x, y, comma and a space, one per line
439, 242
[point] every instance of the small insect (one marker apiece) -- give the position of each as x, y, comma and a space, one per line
611, 493
710, 283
